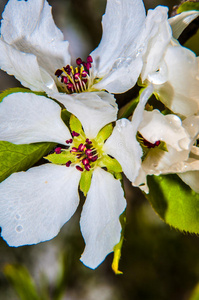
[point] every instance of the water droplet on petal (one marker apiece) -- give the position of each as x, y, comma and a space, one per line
19, 228
17, 217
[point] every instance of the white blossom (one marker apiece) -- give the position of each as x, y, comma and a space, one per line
175, 73
35, 204
175, 156
33, 48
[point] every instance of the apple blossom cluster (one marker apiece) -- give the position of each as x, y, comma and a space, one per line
93, 147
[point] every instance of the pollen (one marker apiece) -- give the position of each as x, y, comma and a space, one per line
75, 80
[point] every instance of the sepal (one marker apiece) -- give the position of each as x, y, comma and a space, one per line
118, 247
85, 182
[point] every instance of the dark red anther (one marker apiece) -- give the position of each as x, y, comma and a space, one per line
84, 74
88, 142
88, 152
73, 150
79, 168
85, 161
89, 59
88, 66
64, 79
58, 72
157, 143
81, 147
76, 76
87, 167
78, 61
151, 145
69, 141
58, 150
93, 158
69, 86
68, 69
74, 133
68, 163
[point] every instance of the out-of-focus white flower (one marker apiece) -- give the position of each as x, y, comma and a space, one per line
33, 50
174, 156
175, 76
35, 204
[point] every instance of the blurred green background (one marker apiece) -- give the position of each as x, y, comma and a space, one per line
158, 262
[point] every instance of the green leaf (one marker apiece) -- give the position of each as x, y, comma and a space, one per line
174, 202
18, 90
104, 134
85, 181
110, 163
15, 158
118, 247
189, 5
22, 282
75, 125
195, 293
62, 158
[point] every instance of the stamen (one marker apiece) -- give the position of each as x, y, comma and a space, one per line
68, 163
58, 72
75, 133
81, 147
73, 150
58, 150
79, 168
75, 79
93, 158
87, 167
85, 161
88, 142
69, 141
150, 145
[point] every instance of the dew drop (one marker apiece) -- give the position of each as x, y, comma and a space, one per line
19, 228
17, 217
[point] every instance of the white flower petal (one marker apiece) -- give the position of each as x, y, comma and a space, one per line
122, 23
158, 34
157, 127
123, 146
94, 110
191, 178
122, 77
29, 118
191, 124
29, 27
138, 113
181, 21
25, 68
181, 91
35, 204
99, 221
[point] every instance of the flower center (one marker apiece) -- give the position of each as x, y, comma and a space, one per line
75, 80
81, 153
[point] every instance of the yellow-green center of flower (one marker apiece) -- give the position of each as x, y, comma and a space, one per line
81, 152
